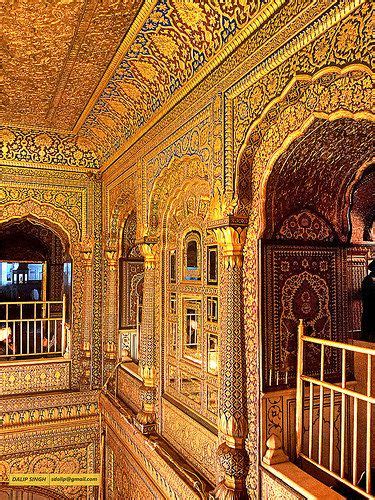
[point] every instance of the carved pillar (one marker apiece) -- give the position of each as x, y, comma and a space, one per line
232, 409
110, 346
110, 326
145, 420
87, 307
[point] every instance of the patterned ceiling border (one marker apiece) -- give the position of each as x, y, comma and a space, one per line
40, 148
133, 31
262, 16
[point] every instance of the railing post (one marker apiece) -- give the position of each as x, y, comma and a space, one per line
299, 388
63, 332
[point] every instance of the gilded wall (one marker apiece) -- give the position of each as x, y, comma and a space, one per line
68, 203
197, 169
236, 122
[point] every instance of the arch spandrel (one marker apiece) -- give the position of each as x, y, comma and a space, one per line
168, 184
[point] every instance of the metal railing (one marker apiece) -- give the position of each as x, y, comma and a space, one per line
32, 329
337, 436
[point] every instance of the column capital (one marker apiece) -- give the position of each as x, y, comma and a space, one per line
87, 251
111, 256
234, 427
148, 250
232, 240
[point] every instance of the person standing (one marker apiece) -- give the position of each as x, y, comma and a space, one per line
368, 303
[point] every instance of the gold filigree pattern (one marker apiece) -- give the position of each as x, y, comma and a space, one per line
64, 48
51, 376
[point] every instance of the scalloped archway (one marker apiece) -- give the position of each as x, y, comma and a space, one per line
330, 94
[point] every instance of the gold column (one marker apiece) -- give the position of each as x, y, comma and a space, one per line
232, 406
87, 307
111, 326
146, 419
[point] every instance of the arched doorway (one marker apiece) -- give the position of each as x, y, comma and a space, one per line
131, 272
315, 199
35, 290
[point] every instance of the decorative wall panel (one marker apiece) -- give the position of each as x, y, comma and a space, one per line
128, 389
17, 378
305, 226
129, 480
302, 283
47, 148
191, 439
273, 488
279, 419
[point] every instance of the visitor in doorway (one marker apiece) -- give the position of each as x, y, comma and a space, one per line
6, 346
368, 302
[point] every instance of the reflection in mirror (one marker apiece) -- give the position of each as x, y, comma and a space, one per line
173, 339
172, 379
212, 400
212, 355
173, 303
192, 257
191, 387
212, 309
192, 326
172, 266
212, 265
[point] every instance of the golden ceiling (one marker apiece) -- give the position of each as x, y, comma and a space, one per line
81, 78
54, 54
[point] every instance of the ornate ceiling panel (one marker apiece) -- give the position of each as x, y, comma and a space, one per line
176, 41
326, 158
54, 55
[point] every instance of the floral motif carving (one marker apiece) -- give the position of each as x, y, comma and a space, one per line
305, 226
33, 147
187, 35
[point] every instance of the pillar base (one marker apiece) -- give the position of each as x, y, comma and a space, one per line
223, 492
145, 422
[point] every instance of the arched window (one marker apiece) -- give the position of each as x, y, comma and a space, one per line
35, 287
192, 256
130, 291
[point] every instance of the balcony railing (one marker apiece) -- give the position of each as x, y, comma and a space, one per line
334, 421
32, 329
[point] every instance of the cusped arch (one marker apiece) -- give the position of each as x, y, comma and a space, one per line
330, 94
175, 177
66, 228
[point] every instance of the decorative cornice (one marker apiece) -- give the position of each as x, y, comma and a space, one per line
253, 25
133, 31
